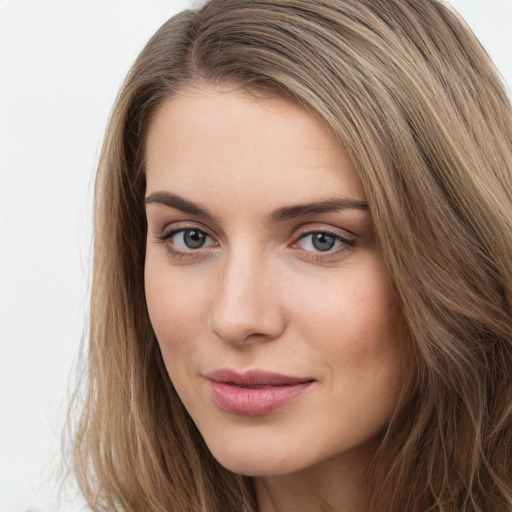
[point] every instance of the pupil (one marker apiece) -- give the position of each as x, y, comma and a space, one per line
194, 239
323, 242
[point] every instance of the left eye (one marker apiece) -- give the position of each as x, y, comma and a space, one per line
320, 241
189, 239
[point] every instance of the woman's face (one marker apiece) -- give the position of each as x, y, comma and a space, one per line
265, 285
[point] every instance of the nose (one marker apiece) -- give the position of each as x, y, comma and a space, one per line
247, 305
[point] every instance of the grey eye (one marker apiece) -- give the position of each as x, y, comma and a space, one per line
322, 241
192, 238
189, 239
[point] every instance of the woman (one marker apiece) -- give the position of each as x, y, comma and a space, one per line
302, 293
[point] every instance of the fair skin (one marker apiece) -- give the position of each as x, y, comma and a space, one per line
238, 278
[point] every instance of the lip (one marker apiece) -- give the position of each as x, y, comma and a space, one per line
255, 392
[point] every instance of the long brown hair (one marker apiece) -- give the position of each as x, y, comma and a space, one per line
414, 99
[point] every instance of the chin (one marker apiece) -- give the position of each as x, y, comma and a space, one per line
248, 467
248, 460
260, 461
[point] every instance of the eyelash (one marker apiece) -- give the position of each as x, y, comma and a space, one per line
345, 243
165, 237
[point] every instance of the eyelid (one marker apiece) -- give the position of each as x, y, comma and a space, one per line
173, 232
309, 229
332, 234
346, 238
346, 243
177, 227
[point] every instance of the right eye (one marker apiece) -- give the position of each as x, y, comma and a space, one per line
186, 240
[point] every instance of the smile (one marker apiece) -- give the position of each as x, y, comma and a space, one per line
256, 392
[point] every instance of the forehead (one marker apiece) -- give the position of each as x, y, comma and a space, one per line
232, 143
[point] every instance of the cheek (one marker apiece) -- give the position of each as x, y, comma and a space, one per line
177, 306
353, 313
352, 327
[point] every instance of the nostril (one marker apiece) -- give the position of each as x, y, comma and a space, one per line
244, 309
246, 328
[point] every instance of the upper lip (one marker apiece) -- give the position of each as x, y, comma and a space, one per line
255, 378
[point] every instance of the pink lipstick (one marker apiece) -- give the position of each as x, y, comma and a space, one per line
255, 392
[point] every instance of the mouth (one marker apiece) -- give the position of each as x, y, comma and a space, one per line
256, 392
255, 378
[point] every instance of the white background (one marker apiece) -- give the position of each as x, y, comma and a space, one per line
61, 64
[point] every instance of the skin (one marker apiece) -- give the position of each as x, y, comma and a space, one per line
260, 295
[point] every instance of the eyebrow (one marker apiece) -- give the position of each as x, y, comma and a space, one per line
179, 203
332, 204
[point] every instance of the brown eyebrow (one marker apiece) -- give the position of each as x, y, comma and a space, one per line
332, 204
179, 203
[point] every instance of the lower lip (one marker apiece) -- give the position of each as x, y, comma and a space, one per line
254, 402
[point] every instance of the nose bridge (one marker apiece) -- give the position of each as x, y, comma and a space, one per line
245, 304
